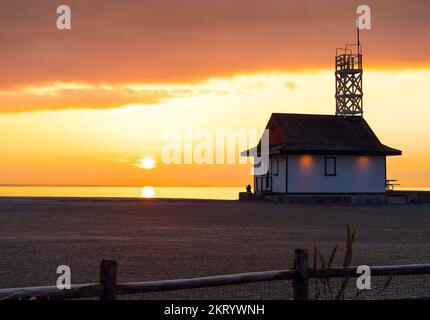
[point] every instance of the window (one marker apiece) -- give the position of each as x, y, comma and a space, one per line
330, 166
275, 166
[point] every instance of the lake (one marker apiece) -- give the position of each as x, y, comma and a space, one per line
216, 193
148, 192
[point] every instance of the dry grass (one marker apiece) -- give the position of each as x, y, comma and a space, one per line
327, 290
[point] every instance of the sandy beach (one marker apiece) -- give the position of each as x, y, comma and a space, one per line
162, 239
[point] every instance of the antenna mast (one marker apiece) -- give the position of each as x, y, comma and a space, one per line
358, 39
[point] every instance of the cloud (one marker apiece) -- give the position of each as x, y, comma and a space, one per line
57, 96
190, 41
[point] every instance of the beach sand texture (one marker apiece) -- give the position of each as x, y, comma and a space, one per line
166, 239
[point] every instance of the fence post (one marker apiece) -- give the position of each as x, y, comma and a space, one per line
301, 278
108, 278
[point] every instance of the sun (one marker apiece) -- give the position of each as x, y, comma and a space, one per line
146, 163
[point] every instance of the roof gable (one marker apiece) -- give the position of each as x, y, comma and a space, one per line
276, 132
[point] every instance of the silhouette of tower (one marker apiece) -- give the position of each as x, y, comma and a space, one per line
349, 80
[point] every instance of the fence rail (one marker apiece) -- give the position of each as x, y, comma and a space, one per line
108, 288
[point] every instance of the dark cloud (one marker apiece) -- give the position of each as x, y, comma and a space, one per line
190, 40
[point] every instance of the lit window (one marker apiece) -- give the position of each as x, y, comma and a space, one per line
330, 166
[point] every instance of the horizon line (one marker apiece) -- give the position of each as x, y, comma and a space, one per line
142, 185
115, 185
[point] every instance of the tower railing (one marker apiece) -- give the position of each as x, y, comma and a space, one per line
349, 59
349, 62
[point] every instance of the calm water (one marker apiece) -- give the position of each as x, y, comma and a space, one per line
218, 193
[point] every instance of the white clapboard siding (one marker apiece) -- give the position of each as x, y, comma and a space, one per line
279, 180
354, 174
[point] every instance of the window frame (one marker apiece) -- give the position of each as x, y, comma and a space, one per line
275, 165
334, 173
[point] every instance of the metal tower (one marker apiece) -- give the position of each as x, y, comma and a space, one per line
349, 80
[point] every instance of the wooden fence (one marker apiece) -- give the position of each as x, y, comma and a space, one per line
108, 287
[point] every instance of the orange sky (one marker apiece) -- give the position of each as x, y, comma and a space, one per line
176, 41
83, 106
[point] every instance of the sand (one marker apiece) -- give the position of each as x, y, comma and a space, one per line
164, 239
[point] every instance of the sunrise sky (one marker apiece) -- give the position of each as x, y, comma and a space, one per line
89, 105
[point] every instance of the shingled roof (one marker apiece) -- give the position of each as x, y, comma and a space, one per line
323, 134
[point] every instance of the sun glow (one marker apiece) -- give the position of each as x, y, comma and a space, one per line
146, 163
122, 146
148, 192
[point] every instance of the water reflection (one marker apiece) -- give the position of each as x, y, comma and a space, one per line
147, 192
